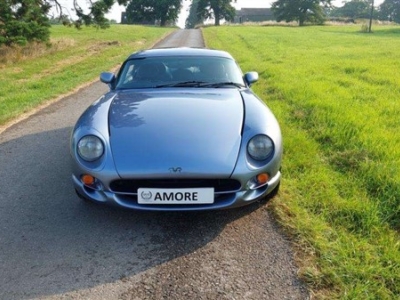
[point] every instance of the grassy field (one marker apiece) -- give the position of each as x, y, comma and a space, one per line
336, 93
32, 76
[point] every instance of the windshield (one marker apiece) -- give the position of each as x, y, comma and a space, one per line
179, 71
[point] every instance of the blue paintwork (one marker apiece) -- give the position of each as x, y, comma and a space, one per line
203, 132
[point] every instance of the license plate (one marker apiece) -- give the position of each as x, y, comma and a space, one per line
176, 196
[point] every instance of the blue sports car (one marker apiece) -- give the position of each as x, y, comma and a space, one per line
180, 129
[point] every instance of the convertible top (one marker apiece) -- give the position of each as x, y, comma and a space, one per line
183, 51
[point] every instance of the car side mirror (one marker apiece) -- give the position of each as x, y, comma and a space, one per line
250, 78
108, 78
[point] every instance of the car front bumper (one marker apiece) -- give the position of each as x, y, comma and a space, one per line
239, 198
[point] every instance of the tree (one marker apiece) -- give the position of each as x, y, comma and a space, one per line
151, 11
371, 16
353, 9
217, 9
23, 21
389, 10
192, 20
91, 15
300, 10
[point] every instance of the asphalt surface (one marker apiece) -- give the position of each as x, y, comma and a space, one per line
55, 246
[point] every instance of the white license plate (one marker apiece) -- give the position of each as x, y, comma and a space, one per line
176, 196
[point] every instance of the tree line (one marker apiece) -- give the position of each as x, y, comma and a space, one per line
23, 21
389, 10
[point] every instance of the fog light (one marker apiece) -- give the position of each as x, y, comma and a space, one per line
262, 178
258, 181
91, 182
88, 179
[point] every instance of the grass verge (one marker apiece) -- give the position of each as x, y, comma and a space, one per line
33, 75
335, 91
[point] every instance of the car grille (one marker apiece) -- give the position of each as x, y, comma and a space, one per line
130, 186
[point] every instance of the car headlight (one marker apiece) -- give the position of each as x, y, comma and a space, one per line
260, 147
90, 148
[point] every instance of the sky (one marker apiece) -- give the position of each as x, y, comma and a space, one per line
116, 11
186, 3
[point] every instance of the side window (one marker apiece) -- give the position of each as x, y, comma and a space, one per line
234, 72
125, 76
129, 74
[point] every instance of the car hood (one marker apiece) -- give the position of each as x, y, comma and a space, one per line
176, 133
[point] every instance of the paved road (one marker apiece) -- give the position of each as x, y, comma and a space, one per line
182, 38
53, 245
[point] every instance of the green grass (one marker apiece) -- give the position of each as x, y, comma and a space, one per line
75, 57
336, 94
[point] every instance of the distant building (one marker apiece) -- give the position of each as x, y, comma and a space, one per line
253, 15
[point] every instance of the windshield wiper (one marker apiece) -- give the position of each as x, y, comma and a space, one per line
222, 84
182, 84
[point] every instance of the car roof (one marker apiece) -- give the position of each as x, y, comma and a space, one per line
181, 51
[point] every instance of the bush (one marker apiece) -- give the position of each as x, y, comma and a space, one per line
23, 21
